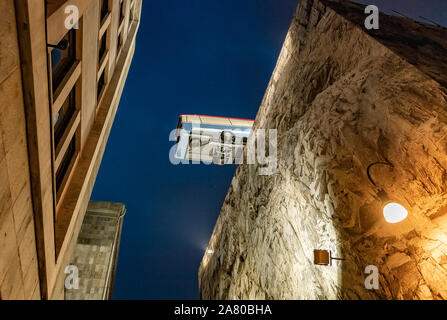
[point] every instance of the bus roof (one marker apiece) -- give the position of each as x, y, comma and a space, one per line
199, 115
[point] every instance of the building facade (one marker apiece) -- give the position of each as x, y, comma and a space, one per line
63, 66
96, 253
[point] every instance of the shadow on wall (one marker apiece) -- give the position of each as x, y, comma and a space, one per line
418, 43
340, 101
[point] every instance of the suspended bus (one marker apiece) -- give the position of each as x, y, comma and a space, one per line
219, 140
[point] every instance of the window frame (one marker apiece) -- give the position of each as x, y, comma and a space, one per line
62, 70
103, 13
68, 170
122, 11
131, 14
104, 35
60, 130
122, 33
69, 88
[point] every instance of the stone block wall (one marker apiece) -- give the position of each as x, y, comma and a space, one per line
96, 251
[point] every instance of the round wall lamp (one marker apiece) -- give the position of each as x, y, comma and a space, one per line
393, 211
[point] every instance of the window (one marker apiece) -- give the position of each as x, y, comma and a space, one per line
101, 83
102, 47
64, 167
121, 11
121, 31
104, 9
118, 44
63, 117
131, 14
62, 60
64, 79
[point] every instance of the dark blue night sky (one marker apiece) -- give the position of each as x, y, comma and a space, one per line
211, 57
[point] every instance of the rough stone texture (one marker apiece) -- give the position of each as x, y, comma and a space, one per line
341, 99
96, 251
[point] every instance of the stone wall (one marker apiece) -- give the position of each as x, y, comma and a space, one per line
342, 98
96, 251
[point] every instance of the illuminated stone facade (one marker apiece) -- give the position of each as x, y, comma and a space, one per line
342, 98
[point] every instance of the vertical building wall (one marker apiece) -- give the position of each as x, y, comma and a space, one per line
39, 223
342, 98
18, 258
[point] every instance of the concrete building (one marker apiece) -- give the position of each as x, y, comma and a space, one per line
59, 92
95, 256
342, 98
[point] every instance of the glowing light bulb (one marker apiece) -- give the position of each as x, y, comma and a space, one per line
394, 212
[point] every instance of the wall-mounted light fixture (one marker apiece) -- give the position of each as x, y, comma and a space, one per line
62, 45
393, 211
324, 258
